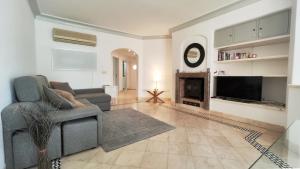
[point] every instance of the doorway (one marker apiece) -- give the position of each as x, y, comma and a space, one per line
125, 75
116, 71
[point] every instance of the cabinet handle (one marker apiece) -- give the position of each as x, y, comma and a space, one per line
254, 29
260, 28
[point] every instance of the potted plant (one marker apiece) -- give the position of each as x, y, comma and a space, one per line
40, 127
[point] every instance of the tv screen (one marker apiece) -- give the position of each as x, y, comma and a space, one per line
239, 87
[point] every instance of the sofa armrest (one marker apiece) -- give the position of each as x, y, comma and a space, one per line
12, 118
87, 91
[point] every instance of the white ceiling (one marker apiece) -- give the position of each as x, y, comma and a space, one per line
139, 17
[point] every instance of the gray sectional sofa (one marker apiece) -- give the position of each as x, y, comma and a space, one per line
76, 129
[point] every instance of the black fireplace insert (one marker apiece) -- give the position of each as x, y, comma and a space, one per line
194, 88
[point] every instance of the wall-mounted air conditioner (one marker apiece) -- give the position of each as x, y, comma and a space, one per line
67, 36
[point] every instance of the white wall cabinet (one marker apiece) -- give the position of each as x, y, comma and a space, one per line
245, 32
269, 26
224, 37
274, 25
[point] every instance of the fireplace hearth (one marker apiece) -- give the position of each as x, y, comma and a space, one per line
193, 89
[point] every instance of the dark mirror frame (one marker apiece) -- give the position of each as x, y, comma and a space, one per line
201, 58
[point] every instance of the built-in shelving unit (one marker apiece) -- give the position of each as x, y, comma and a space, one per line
256, 43
259, 47
255, 59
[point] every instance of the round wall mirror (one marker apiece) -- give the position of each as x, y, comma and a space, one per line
194, 55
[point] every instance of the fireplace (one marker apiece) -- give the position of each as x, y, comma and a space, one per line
193, 89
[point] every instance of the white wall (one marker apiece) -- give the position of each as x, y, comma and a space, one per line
294, 69
132, 74
16, 50
106, 43
152, 55
293, 104
157, 62
295, 41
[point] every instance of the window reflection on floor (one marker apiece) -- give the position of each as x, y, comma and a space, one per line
125, 97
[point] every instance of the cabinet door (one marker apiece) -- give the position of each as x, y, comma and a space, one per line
223, 37
245, 32
274, 25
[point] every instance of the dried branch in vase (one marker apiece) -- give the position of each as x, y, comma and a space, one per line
40, 126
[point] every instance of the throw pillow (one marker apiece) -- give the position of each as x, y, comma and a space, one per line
55, 99
70, 98
62, 86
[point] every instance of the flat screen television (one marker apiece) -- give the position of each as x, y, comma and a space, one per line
239, 87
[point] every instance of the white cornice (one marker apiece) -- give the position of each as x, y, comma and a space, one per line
34, 7
85, 25
157, 37
213, 14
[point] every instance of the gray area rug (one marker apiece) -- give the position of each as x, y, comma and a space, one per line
126, 126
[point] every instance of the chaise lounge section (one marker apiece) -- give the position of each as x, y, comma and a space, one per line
29, 92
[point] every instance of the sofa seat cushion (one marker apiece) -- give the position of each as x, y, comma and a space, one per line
79, 135
77, 113
95, 97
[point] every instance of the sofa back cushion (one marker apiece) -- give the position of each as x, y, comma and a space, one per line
62, 86
70, 98
30, 88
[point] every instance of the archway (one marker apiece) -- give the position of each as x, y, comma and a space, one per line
125, 74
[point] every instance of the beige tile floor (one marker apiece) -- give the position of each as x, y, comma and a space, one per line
196, 143
125, 97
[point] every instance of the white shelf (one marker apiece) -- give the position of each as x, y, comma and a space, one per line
255, 59
251, 75
266, 106
255, 43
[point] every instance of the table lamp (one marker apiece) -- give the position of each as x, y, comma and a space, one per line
156, 79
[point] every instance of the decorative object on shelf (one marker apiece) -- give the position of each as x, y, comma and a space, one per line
155, 93
219, 73
233, 55
40, 127
254, 55
194, 55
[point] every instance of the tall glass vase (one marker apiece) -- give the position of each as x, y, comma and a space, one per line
43, 161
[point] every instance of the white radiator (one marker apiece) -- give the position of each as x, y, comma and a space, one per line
74, 60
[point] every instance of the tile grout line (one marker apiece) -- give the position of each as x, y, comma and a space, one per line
250, 138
